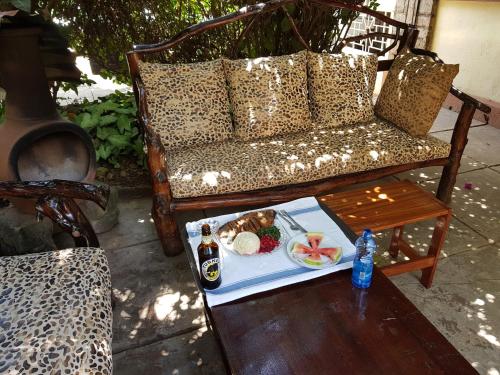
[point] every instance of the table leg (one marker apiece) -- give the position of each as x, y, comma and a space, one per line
394, 246
438, 237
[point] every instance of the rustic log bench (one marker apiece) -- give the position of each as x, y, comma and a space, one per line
227, 183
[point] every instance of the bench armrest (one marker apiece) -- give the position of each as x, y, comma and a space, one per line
55, 200
453, 90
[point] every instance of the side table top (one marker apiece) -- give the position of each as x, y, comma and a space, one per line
384, 206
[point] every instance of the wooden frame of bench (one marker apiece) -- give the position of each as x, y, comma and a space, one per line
165, 205
55, 200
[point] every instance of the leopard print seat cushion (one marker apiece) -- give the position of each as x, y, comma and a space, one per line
268, 95
237, 165
55, 313
413, 92
341, 88
188, 103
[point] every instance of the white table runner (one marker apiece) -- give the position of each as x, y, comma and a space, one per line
246, 275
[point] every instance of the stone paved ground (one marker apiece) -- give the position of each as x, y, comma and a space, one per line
159, 325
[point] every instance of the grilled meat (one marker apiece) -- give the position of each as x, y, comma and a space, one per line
250, 222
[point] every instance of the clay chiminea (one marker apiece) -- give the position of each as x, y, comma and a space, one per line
35, 142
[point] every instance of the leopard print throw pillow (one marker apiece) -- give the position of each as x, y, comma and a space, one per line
341, 88
268, 95
414, 91
188, 103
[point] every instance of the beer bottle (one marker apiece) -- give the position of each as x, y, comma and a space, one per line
208, 256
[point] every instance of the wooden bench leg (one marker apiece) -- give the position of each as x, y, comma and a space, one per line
438, 237
166, 227
394, 246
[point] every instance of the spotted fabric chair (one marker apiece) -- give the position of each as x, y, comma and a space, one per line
55, 307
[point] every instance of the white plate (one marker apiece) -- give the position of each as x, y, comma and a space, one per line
325, 260
282, 241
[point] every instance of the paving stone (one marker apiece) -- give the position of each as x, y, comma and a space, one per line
191, 353
135, 224
446, 121
479, 207
497, 169
467, 315
483, 144
155, 296
431, 173
460, 238
463, 303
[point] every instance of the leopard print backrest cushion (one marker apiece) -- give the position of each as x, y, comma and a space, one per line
341, 88
268, 95
413, 92
188, 103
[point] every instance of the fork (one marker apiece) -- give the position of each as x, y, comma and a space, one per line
293, 224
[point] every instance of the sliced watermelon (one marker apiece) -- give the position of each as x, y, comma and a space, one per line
314, 239
312, 262
314, 256
332, 252
300, 248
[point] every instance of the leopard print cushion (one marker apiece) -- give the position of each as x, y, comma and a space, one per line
237, 165
55, 313
413, 92
341, 88
269, 95
188, 103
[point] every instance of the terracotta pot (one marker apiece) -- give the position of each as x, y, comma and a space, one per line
35, 142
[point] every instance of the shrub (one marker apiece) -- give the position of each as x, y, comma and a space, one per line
111, 121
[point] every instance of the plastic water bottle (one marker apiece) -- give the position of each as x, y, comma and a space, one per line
363, 261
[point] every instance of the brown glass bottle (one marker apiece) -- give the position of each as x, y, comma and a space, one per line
208, 257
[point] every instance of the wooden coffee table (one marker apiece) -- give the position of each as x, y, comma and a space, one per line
326, 326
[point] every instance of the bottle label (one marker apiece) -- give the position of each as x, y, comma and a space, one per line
210, 269
206, 239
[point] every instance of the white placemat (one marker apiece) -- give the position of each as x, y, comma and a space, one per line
246, 275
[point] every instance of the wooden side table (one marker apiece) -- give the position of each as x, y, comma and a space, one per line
392, 206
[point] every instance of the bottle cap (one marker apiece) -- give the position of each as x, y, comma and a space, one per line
205, 230
367, 233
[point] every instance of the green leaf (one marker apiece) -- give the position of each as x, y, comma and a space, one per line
285, 25
104, 133
24, 5
108, 105
124, 123
119, 140
107, 120
87, 121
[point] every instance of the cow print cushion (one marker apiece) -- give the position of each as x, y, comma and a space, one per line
414, 91
188, 103
341, 88
269, 95
55, 313
238, 165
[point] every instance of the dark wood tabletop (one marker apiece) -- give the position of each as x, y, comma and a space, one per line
326, 326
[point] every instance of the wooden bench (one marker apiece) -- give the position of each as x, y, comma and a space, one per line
392, 206
167, 206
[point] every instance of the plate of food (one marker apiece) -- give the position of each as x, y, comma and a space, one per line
314, 250
254, 233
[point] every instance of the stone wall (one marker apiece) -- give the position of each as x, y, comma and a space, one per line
418, 12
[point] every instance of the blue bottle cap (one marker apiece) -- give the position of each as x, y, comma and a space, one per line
367, 233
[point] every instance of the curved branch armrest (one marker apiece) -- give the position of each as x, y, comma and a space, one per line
453, 90
59, 188
55, 199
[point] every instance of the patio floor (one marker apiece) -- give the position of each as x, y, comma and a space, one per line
159, 325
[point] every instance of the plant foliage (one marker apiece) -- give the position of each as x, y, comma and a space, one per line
111, 122
105, 30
